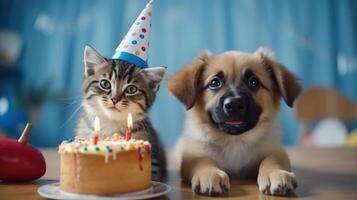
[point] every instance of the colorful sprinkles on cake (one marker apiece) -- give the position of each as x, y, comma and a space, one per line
110, 146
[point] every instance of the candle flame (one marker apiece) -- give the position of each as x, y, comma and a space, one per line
96, 124
130, 121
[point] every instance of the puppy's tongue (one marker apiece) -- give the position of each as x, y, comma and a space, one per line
234, 123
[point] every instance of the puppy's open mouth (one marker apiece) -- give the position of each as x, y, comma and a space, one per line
234, 123
231, 127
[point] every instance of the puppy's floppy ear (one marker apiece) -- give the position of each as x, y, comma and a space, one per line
184, 85
287, 83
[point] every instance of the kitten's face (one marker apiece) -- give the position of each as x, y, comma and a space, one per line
114, 88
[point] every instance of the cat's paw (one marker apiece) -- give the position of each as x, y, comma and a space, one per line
277, 182
210, 182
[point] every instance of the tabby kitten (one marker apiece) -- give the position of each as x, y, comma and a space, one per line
111, 89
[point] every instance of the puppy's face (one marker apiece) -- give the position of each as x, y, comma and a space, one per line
234, 91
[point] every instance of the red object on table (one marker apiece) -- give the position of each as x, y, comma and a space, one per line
95, 138
20, 161
128, 135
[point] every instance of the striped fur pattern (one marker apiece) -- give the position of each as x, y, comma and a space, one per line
111, 89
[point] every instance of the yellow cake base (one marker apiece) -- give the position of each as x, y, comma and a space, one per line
91, 174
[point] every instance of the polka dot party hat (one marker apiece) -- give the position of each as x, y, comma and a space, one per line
135, 45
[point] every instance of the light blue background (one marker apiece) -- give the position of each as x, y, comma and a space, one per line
315, 39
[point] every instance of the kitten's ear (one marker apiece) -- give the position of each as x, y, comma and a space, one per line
92, 60
155, 74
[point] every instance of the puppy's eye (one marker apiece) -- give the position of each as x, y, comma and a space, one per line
105, 84
253, 83
131, 89
215, 83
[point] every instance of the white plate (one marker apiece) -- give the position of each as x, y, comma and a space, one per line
52, 191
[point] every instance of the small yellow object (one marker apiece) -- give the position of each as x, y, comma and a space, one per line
352, 139
116, 136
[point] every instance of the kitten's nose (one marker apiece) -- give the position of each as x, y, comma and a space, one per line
115, 100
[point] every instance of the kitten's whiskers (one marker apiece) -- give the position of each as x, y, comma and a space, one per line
72, 115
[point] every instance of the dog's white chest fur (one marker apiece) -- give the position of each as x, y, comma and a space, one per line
231, 153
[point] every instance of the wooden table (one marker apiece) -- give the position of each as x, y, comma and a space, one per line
322, 174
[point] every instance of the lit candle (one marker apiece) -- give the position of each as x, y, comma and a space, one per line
96, 130
130, 126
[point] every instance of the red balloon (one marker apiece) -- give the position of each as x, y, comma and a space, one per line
20, 162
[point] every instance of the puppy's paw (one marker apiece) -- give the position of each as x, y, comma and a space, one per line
277, 182
210, 182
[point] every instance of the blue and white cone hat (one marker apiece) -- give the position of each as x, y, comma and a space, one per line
134, 48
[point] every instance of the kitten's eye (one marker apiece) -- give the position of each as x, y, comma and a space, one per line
253, 83
131, 89
105, 84
216, 83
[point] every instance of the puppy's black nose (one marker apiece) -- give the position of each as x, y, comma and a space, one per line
234, 105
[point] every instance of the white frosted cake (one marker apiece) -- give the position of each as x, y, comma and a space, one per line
111, 166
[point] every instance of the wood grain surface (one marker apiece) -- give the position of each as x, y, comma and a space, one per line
322, 174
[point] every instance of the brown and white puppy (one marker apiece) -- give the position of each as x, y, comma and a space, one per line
232, 102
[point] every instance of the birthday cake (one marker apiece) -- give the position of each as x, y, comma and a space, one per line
111, 166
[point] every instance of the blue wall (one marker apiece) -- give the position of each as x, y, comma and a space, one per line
315, 39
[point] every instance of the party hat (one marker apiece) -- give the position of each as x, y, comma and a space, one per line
135, 45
